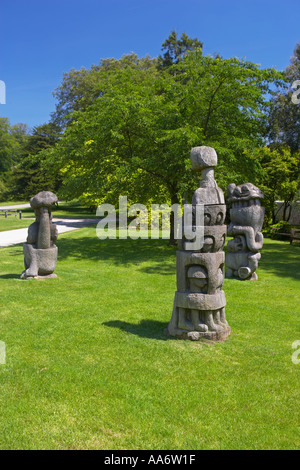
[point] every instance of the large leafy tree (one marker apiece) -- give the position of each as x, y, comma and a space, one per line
284, 139
278, 178
80, 88
12, 141
284, 118
176, 47
135, 138
30, 175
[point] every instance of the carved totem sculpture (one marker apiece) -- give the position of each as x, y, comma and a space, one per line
199, 304
247, 216
40, 252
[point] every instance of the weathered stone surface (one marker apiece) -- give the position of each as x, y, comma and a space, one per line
43, 199
199, 303
39, 262
247, 216
203, 157
40, 252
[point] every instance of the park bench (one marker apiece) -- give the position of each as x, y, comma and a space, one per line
293, 234
7, 212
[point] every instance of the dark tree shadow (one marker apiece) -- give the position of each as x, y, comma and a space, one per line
281, 259
151, 329
10, 276
121, 252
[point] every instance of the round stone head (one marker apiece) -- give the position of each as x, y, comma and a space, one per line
43, 199
203, 157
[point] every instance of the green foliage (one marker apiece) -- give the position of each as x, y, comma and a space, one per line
284, 117
176, 48
80, 88
31, 176
136, 137
3, 190
283, 227
12, 141
279, 177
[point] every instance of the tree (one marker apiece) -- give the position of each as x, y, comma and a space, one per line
278, 178
284, 117
31, 176
80, 88
176, 48
12, 138
135, 138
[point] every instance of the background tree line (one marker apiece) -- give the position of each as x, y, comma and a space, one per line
127, 126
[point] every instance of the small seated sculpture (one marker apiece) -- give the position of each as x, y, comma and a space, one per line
40, 251
246, 221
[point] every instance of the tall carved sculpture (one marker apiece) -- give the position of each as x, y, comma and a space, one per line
40, 251
247, 217
199, 304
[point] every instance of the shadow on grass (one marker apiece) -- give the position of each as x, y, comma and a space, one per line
278, 258
10, 276
122, 252
281, 259
151, 329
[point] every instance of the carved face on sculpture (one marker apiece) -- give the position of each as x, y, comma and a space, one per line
201, 281
243, 192
238, 243
246, 205
198, 279
214, 214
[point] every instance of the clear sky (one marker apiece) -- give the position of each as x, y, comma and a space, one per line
41, 39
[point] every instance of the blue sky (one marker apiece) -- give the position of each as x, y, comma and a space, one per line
41, 39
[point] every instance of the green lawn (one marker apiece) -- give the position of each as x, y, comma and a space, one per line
14, 223
89, 367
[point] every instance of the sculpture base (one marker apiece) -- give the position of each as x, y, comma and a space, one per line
39, 278
39, 263
197, 335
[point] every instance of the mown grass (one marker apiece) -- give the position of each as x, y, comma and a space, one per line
89, 367
14, 223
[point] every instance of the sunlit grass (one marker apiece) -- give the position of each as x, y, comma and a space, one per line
14, 223
89, 367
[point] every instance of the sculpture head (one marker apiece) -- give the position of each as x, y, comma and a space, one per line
246, 205
203, 157
43, 199
243, 192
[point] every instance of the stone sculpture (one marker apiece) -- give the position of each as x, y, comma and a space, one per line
40, 251
247, 216
199, 304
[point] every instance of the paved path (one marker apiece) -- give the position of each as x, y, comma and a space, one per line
18, 206
13, 237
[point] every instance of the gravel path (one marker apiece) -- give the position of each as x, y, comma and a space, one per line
18, 206
13, 237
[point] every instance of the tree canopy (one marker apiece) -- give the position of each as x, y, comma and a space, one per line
134, 139
284, 118
126, 127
